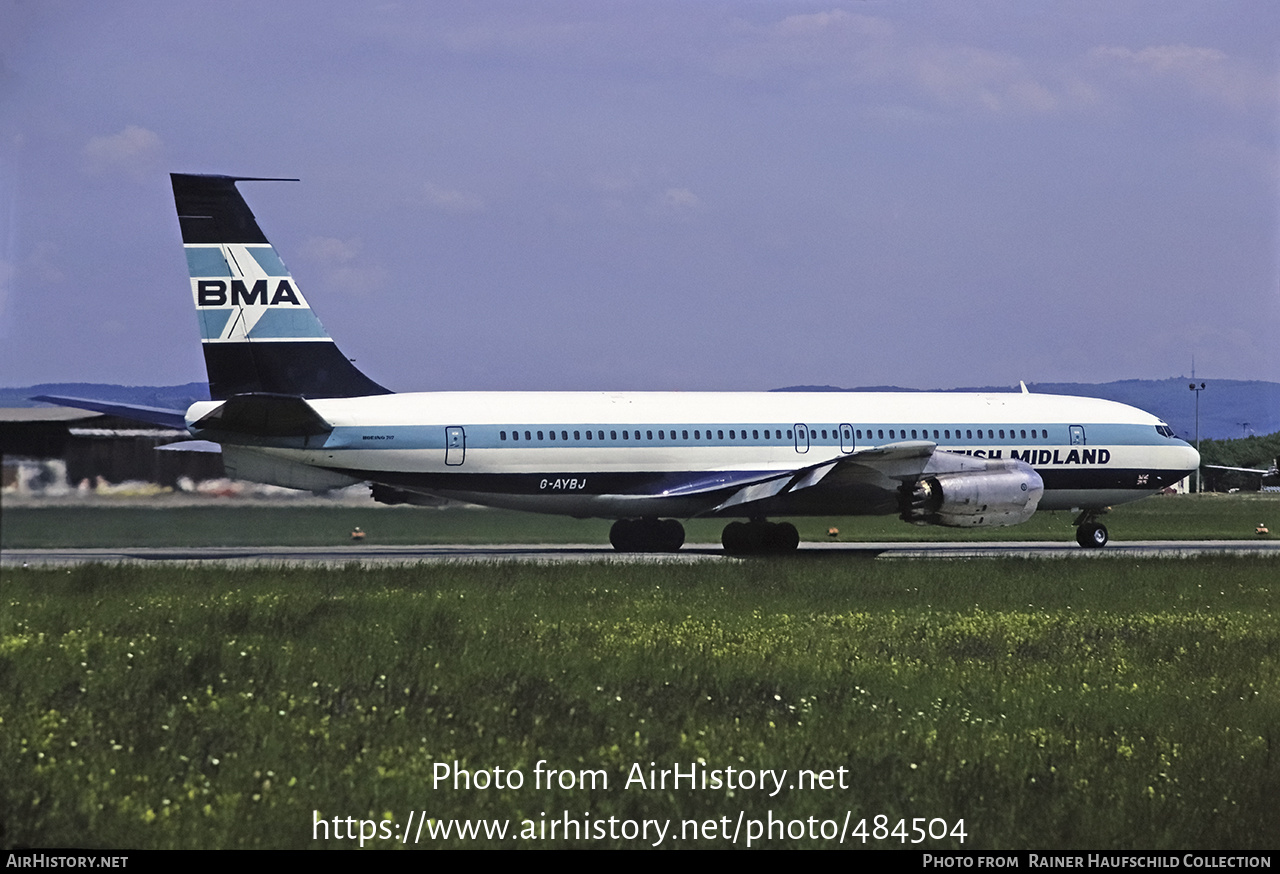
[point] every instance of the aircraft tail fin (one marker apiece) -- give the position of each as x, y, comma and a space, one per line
258, 332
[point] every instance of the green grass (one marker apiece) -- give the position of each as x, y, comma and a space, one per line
1166, 518
1118, 704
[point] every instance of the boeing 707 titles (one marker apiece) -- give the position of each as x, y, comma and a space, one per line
290, 409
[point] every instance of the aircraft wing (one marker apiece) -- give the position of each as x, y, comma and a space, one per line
1239, 469
137, 412
883, 467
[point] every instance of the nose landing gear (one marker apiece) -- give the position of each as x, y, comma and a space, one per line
1090, 533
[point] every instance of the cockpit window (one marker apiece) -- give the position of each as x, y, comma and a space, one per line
1164, 430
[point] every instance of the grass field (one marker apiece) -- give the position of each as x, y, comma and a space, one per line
1116, 704
1187, 517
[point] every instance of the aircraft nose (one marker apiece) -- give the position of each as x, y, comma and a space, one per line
1191, 458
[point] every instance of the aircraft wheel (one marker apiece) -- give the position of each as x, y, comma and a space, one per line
760, 538
670, 535
785, 538
623, 535
646, 535
1091, 535
736, 538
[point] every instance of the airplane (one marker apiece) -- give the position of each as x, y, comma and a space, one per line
1270, 477
288, 408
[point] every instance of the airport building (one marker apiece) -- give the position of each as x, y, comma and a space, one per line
52, 450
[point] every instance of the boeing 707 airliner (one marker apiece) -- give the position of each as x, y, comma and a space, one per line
290, 409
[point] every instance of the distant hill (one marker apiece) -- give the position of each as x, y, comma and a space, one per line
1224, 403
172, 397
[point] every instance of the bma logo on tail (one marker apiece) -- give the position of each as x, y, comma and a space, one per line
213, 293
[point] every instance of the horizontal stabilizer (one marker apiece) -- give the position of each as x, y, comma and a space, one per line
210, 210
265, 415
136, 412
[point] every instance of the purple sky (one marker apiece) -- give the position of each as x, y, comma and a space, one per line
658, 195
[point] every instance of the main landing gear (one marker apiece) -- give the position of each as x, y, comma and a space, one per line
1090, 533
646, 535
759, 537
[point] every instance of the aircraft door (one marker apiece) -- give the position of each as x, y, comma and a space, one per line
846, 438
1077, 435
802, 437
455, 445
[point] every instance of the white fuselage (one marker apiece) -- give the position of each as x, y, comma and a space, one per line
609, 454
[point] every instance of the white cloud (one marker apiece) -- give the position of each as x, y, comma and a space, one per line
135, 151
453, 200
835, 43
1207, 72
341, 266
842, 49
680, 199
330, 251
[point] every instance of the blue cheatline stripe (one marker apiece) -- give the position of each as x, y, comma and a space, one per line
290, 322
206, 262
268, 260
212, 321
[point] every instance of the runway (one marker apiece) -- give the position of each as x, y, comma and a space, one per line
322, 556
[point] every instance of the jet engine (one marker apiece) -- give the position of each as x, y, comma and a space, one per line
1000, 495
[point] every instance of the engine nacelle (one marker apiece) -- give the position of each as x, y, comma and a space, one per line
1004, 495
